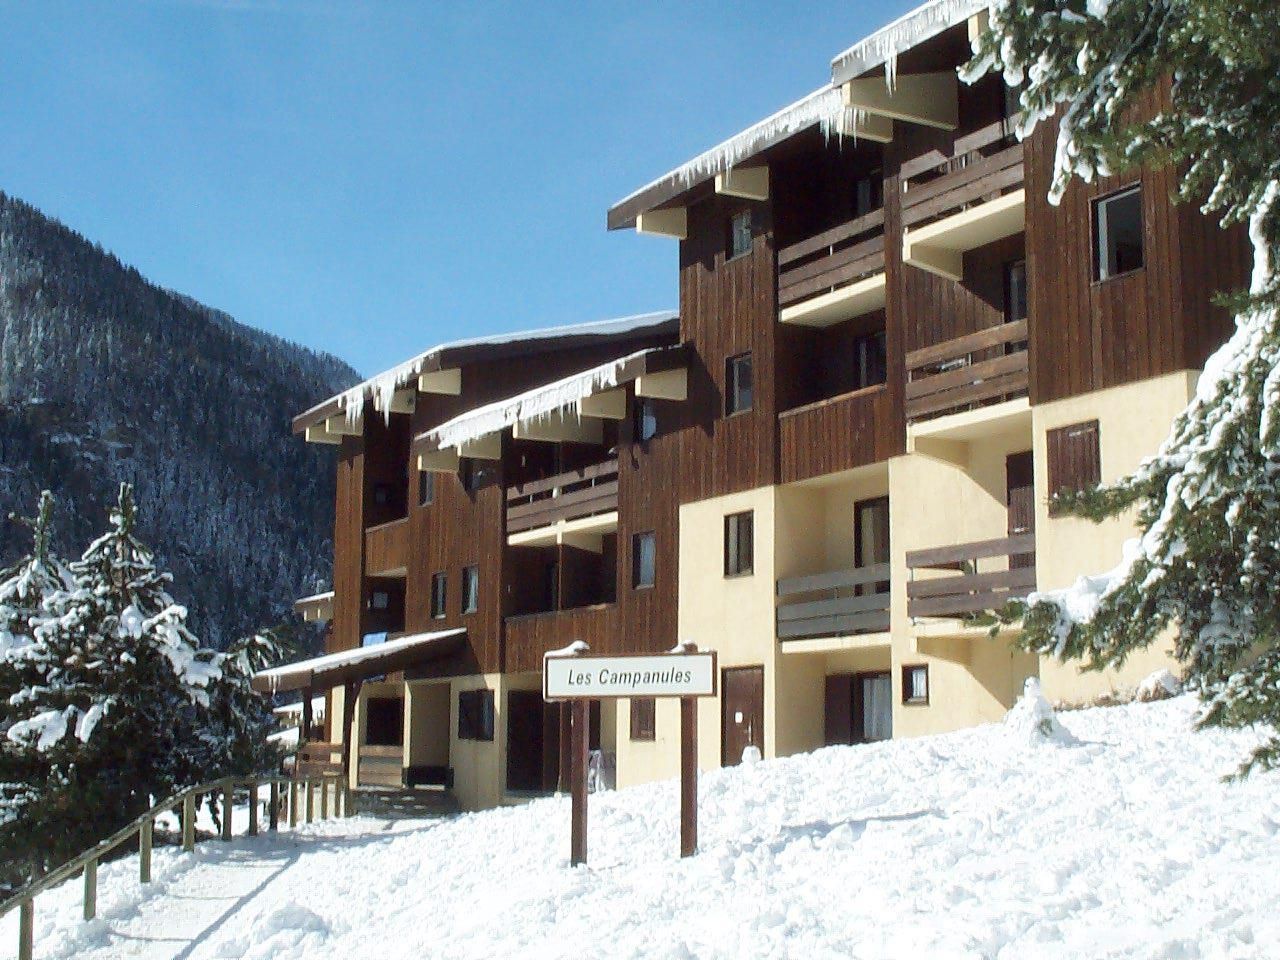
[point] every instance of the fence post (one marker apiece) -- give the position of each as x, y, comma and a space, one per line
339, 799
310, 799
226, 813
26, 929
91, 888
324, 799
189, 822
273, 813
293, 803
144, 851
253, 808
349, 798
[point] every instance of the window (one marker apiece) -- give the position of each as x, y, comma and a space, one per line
643, 710
384, 722
646, 419
1075, 461
381, 494
1117, 233
470, 589
868, 193
915, 683
737, 384
869, 367
738, 548
871, 539
475, 715
379, 600
739, 240
474, 474
439, 591
643, 560
1015, 291
426, 487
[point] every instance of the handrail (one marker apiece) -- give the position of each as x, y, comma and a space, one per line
142, 825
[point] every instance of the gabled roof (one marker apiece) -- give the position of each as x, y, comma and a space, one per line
911, 29
458, 353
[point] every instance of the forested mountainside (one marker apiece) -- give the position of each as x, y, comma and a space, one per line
105, 377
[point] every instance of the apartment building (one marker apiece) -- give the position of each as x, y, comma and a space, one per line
890, 350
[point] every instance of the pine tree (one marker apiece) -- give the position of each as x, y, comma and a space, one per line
1208, 555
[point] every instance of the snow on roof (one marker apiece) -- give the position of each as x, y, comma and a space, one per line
327, 595
294, 709
824, 106
538, 403
912, 28
382, 387
321, 670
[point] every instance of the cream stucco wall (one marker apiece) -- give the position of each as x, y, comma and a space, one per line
1133, 420
641, 761
479, 766
426, 723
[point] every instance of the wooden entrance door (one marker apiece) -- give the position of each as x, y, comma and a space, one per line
526, 740
743, 720
1020, 499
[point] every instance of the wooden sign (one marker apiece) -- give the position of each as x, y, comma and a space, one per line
575, 676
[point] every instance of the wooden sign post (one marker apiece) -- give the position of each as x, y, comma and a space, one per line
571, 675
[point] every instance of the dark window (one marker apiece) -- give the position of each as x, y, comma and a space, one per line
739, 239
646, 419
643, 560
871, 539
738, 547
475, 715
915, 683
643, 710
1117, 233
737, 381
869, 367
1074, 460
868, 193
1015, 291
379, 600
439, 592
382, 494
470, 589
384, 722
426, 487
474, 473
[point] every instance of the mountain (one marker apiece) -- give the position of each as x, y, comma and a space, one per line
105, 377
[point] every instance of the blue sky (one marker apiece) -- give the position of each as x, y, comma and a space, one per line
369, 178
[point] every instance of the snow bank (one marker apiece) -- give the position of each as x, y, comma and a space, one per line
1128, 845
1032, 720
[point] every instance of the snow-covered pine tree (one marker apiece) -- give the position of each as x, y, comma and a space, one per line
1208, 557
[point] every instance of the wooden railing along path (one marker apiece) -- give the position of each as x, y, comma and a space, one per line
301, 797
566, 496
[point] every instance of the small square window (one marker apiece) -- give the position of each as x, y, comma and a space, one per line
643, 711
475, 715
474, 473
1117, 233
915, 683
470, 589
426, 487
643, 560
870, 368
739, 242
645, 426
739, 551
439, 593
737, 380
379, 600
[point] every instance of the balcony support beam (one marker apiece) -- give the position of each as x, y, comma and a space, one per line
672, 222
446, 382
747, 183
610, 405
559, 427
667, 385
930, 99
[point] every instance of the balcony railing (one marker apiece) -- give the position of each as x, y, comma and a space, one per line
986, 367
971, 587
566, 496
836, 603
981, 166
386, 548
832, 259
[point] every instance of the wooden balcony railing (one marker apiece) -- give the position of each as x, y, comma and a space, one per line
838, 603
981, 166
567, 496
831, 259
989, 366
386, 547
970, 588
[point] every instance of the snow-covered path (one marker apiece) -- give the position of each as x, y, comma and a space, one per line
975, 844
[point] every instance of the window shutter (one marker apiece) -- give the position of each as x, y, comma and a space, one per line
643, 724
1075, 462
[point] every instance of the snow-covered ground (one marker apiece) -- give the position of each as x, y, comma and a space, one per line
1120, 840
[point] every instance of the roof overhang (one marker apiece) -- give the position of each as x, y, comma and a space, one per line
350, 666
881, 49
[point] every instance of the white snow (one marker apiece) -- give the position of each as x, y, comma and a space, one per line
293, 711
883, 46
970, 845
1032, 720
344, 658
533, 405
1158, 685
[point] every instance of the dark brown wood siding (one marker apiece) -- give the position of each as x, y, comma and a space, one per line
348, 544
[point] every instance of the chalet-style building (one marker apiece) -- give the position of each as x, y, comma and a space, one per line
890, 350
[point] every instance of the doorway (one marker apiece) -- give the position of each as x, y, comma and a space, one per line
1020, 500
859, 708
742, 724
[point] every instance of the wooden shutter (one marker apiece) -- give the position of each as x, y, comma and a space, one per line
643, 710
1075, 462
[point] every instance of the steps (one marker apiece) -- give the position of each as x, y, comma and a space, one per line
405, 802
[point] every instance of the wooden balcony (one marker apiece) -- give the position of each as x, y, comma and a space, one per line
971, 586
833, 276
567, 496
836, 603
979, 369
981, 167
531, 635
386, 549
836, 434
